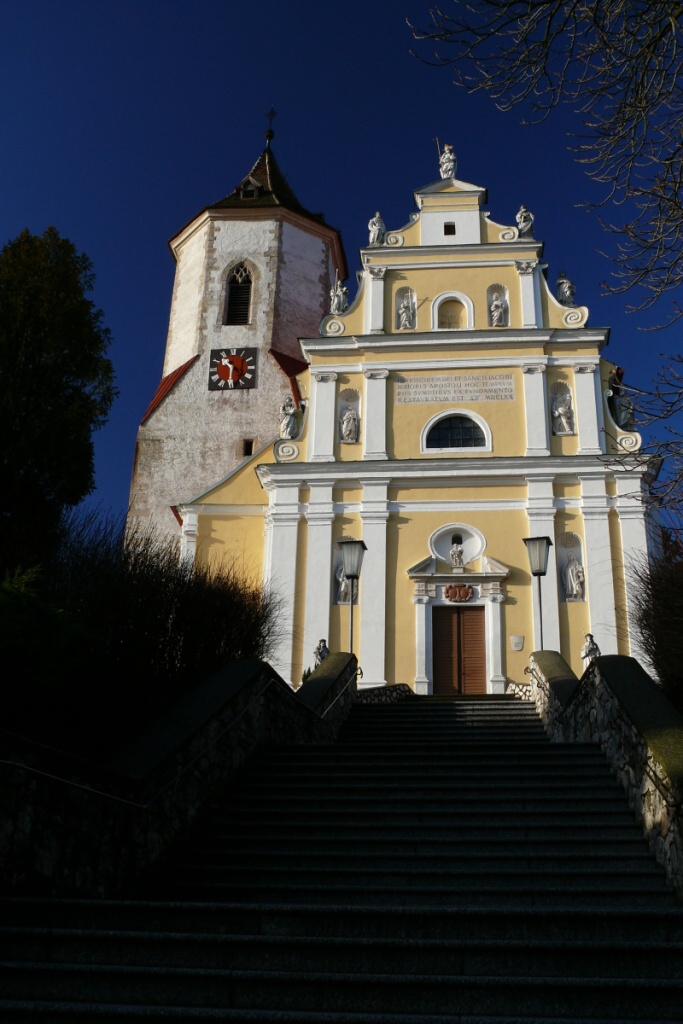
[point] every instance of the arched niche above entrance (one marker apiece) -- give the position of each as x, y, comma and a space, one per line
459, 535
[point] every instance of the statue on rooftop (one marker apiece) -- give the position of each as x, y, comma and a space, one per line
339, 298
525, 222
289, 420
566, 290
377, 229
447, 162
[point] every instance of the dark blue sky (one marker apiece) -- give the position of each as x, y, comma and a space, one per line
121, 119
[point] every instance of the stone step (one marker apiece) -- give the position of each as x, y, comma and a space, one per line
422, 877
466, 831
523, 858
480, 814
562, 922
21, 1011
453, 786
624, 998
444, 802
533, 850
545, 958
634, 892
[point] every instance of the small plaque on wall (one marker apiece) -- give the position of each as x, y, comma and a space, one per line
232, 369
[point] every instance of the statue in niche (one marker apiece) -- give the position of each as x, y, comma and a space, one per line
339, 298
498, 310
447, 162
566, 290
289, 419
589, 651
525, 222
348, 425
406, 314
573, 577
377, 229
345, 589
321, 652
624, 412
456, 555
562, 413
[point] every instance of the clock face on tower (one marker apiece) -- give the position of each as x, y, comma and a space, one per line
232, 369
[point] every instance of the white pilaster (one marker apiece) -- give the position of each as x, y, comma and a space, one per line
323, 417
536, 409
532, 313
634, 546
599, 572
374, 303
373, 582
188, 535
588, 402
375, 414
280, 570
541, 513
423, 646
494, 636
320, 516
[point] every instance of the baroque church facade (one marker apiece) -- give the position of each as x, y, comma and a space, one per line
454, 408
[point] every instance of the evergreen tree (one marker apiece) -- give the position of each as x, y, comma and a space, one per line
56, 388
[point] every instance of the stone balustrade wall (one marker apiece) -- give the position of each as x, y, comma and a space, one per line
70, 826
617, 705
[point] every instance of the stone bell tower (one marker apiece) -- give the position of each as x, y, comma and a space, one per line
253, 274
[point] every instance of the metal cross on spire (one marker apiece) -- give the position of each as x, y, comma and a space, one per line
270, 133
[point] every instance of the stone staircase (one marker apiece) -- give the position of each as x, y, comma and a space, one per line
441, 862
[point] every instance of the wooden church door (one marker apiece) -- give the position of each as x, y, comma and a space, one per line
459, 651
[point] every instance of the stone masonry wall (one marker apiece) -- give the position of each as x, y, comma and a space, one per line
73, 827
591, 712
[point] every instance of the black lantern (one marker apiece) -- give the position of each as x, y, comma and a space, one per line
352, 559
538, 549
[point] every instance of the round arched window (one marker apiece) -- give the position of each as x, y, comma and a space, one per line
456, 432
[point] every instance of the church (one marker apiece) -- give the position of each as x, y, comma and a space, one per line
457, 405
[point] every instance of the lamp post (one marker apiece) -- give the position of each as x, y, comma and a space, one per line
352, 551
537, 550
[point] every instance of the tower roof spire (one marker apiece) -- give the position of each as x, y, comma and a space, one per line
270, 134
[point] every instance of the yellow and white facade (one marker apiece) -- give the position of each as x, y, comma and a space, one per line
479, 418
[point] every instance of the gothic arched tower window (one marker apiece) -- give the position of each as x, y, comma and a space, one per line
238, 296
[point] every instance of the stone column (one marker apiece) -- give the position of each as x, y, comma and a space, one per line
536, 409
323, 422
373, 583
588, 404
374, 301
532, 314
320, 517
541, 513
599, 572
282, 521
375, 414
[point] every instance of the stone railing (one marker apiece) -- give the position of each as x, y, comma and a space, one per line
617, 705
70, 826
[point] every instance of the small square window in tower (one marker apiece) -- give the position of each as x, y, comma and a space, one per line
238, 296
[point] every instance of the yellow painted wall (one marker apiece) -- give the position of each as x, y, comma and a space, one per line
406, 421
407, 544
237, 540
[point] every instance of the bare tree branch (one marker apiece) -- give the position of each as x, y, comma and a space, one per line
619, 64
